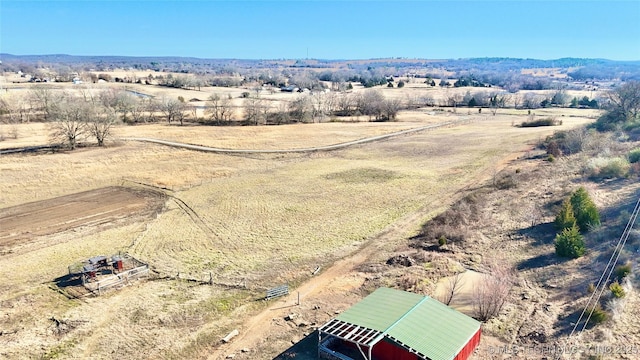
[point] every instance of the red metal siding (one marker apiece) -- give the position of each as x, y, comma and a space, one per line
386, 350
467, 350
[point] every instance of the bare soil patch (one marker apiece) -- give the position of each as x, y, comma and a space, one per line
22, 223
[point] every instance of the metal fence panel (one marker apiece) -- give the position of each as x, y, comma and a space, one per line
277, 292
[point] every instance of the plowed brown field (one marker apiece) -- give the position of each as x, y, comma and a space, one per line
21, 223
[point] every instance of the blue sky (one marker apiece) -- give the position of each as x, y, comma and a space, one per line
326, 29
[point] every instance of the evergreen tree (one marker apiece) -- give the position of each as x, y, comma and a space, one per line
585, 210
574, 102
566, 218
570, 243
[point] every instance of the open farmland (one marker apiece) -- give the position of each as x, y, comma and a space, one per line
256, 221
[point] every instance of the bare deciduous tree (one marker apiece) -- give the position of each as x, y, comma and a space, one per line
69, 126
491, 293
255, 110
17, 109
626, 100
453, 286
370, 104
219, 109
152, 107
517, 100
281, 115
344, 104
322, 103
452, 98
99, 123
533, 213
531, 101
173, 109
301, 109
138, 110
45, 99
118, 100
428, 100
88, 93
391, 107
498, 100
413, 101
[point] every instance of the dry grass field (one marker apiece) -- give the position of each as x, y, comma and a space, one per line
252, 222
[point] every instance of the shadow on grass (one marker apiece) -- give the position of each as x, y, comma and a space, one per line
542, 233
564, 325
437, 248
305, 349
539, 261
67, 280
70, 286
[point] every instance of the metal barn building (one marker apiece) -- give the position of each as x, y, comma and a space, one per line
398, 325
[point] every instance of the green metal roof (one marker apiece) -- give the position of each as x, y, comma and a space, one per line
417, 322
381, 309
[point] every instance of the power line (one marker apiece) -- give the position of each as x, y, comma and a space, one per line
623, 238
610, 267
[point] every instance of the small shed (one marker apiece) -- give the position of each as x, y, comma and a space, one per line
398, 325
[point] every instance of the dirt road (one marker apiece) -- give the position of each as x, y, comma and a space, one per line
280, 151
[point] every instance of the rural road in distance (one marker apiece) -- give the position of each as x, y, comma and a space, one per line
302, 150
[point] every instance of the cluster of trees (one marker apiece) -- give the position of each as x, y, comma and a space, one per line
578, 215
318, 106
584, 103
92, 113
369, 103
306, 108
72, 119
623, 108
469, 81
501, 99
484, 99
557, 98
181, 81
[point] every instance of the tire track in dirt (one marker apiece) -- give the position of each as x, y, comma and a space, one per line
281, 151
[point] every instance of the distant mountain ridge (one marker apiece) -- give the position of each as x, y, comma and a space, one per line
580, 69
527, 62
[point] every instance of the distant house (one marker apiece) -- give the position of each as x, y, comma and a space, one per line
290, 88
398, 325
